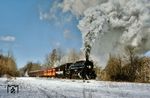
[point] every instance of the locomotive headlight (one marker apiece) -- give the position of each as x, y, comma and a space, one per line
89, 67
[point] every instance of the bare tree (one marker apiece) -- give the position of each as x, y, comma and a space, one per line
133, 62
73, 56
130, 51
8, 65
47, 61
54, 58
60, 54
113, 69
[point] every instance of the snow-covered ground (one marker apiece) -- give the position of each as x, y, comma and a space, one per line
61, 88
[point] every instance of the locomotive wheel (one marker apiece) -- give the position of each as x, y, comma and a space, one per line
87, 77
70, 75
79, 75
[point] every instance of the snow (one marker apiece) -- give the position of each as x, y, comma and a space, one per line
63, 88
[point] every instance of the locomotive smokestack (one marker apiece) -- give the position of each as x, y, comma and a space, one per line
87, 52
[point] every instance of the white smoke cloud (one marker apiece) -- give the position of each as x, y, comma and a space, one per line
7, 38
110, 25
58, 8
55, 13
116, 24
77, 7
51, 13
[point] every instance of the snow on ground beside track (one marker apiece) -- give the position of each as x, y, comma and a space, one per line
62, 88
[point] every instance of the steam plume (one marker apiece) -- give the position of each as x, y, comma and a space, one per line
114, 25
109, 26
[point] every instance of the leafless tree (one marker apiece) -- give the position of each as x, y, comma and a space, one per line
54, 58
8, 65
73, 55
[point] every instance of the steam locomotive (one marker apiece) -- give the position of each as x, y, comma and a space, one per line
78, 70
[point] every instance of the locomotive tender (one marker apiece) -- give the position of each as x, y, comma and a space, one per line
78, 70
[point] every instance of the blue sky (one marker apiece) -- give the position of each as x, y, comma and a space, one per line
29, 37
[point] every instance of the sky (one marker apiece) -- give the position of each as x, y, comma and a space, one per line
30, 35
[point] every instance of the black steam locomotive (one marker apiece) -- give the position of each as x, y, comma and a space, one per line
79, 69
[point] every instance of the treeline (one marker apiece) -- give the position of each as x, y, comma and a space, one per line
30, 66
131, 68
58, 56
116, 70
8, 66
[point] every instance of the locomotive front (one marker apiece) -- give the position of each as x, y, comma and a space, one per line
82, 70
